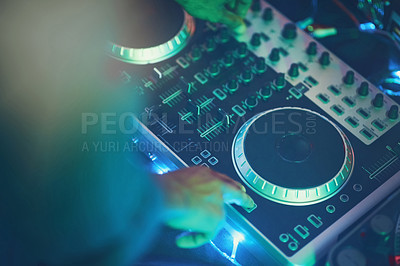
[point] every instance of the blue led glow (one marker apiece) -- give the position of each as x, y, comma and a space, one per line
369, 26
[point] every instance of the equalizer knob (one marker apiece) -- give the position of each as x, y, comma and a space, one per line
280, 81
224, 36
255, 39
261, 67
256, 6
247, 76
348, 79
232, 85
210, 44
251, 101
266, 92
196, 53
363, 90
214, 69
228, 60
268, 15
312, 48
289, 31
274, 55
242, 49
294, 70
378, 100
393, 112
325, 60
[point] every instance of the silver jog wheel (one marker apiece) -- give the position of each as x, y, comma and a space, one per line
292, 156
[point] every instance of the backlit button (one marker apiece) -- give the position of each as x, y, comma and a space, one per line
205, 154
232, 85
213, 161
266, 92
357, 187
196, 160
251, 101
344, 198
352, 121
274, 55
364, 113
280, 81
393, 112
284, 238
334, 90
242, 50
350, 102
337, 109
323, 98
378, 124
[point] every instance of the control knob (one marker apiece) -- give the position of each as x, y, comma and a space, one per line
242, 49
267, 15
280, 81
274, 55
214, 69
196, 53
266, 92
393, 112
289, 31
363, 90
247, 76
210, 44
261, 67
251, 100
228, 60
312, 48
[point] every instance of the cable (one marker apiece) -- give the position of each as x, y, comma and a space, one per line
347, 11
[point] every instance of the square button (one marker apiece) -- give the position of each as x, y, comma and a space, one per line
206, 165
196, 160
205, 154
213, 161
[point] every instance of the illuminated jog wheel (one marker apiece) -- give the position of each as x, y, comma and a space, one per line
292, 156
150, 31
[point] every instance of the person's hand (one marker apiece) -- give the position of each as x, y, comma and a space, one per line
228, 12
195, 200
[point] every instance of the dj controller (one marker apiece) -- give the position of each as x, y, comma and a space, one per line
316, 144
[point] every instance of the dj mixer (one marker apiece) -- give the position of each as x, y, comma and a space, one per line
316, 144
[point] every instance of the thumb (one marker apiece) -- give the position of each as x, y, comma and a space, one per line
233, 21
192, 239
237, 196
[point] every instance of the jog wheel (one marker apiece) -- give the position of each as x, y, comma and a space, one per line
150, 31
292, 156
